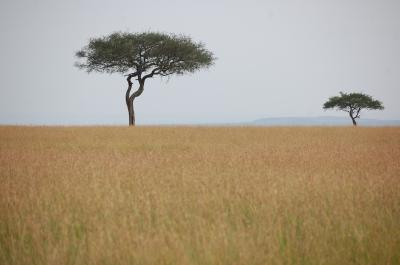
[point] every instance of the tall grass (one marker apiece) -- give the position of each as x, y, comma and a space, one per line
150, 195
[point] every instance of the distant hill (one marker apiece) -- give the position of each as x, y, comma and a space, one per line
321, 121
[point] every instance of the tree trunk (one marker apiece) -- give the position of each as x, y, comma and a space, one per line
131, 113
130, 98
129, 104
353, 120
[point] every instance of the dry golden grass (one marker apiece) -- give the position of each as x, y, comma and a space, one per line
186, 195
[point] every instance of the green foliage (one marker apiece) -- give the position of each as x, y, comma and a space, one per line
353, 103
144, 54
353, 100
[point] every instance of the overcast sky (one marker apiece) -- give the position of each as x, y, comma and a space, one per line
275, 59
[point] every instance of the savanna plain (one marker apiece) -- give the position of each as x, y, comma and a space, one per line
199, 195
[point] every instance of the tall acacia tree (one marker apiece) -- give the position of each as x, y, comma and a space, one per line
141, 56
353, 103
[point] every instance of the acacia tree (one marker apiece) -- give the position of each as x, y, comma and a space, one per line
142, 56
353, 103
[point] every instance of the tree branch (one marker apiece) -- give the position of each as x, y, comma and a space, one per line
130, 76
137, 92
128, 91
358, 113
155, 71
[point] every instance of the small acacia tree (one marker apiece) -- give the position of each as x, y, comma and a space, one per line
353, 103
142, 56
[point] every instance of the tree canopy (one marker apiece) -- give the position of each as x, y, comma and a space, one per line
152, 52
143, 55
353, 103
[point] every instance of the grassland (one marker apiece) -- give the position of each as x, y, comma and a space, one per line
151, 195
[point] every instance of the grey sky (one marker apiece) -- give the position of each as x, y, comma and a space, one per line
275, 58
